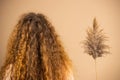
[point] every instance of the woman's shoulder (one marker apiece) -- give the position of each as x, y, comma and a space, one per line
8, 72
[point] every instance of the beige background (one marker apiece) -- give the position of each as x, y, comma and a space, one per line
71, 18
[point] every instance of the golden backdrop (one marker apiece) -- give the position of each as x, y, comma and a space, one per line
71, 18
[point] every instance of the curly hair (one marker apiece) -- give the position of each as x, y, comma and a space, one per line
35, 51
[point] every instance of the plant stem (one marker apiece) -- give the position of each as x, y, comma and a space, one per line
96, 69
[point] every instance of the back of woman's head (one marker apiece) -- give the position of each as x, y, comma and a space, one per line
35, 52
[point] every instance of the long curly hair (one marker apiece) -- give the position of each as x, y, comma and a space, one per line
35, 51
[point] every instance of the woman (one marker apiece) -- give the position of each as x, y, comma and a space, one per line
35, 52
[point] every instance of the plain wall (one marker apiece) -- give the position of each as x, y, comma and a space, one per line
71, 18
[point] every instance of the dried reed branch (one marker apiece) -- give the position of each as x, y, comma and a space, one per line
94, 44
